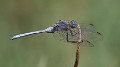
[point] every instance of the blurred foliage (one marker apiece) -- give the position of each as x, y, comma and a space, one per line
42, 50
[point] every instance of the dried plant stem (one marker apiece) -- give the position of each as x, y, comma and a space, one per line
77, 55
78, 47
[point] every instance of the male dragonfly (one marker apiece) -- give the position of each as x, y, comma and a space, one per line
69, 31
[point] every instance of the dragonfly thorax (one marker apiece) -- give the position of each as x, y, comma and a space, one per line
63, 25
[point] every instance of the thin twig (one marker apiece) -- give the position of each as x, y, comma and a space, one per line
77, 55
78, 47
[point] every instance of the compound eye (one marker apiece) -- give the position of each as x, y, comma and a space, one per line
73, 24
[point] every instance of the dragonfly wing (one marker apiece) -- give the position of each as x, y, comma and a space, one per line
67, 36
60, 35
89, 34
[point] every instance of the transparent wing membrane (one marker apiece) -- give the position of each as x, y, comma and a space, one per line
60, 35
88, 32
67, 36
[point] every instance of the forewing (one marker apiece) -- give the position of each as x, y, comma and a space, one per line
71, 35
60, 35
89, 34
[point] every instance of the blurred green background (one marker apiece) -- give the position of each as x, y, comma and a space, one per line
43, 50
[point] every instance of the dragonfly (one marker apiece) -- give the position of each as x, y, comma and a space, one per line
69, 31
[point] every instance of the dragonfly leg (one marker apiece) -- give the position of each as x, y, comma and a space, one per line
67, 37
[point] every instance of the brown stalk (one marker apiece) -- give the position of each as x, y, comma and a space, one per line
78, 47
77, 55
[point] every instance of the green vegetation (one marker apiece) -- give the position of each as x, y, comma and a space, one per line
43, 50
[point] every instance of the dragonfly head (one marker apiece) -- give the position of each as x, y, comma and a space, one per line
73, 24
